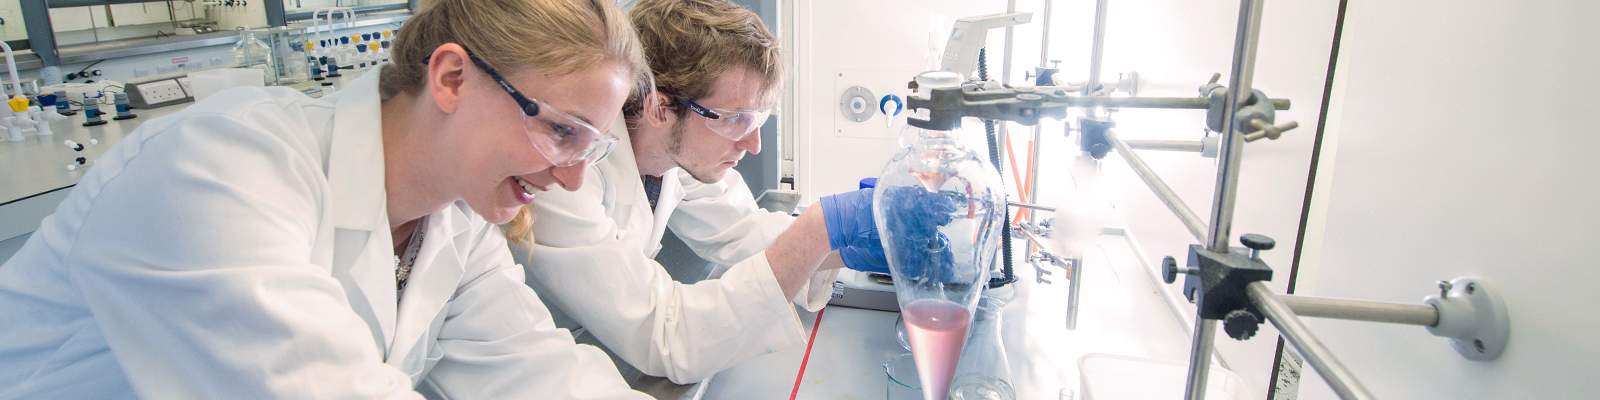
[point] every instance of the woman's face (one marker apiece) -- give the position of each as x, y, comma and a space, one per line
501, 171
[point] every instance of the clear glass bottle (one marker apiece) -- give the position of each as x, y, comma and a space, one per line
251, 52
985, 371
287, 51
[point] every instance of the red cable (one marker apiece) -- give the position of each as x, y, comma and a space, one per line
815, 326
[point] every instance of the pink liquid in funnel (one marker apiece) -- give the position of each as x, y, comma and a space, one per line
937, 329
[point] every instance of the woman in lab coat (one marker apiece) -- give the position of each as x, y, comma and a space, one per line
264, 244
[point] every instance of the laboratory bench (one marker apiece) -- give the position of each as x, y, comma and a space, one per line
1129, 341
1126, 329
33, 172
34, 178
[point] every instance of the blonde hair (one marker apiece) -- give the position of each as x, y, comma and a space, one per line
555, 37
692, 42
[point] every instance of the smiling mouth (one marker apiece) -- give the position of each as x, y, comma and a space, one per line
527, 188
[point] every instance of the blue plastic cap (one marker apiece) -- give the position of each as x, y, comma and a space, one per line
366, 37
344, 40
868, 183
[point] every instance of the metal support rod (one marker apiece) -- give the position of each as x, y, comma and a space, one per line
1192, 222
1074, 284
1239, 86
1032, 176
1033, 153
1097, 47
1194, 146
1191, 103
1358, 310
1033, 237
1031, 206
1033, 166
1175, 103
1005, 64
1205, 340
1074, 273
1295, 331
1044, 37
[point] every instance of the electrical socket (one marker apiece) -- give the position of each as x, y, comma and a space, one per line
162, 91
156, 93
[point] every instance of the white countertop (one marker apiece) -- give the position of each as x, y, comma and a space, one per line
33, 172
1122, 314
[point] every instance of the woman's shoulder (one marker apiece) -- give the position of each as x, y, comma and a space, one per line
248, 135
267, 106
242, 100
254, 119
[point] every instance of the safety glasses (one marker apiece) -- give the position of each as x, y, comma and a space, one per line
560, 137
732, 124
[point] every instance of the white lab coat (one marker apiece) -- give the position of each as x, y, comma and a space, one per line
594, 255
241, 249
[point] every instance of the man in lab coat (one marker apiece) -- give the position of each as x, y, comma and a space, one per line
718, 71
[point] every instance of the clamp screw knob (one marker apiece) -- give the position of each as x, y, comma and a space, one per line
1241, 324
1258, 242
1169, 269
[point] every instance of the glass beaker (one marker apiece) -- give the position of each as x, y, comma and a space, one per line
251, 52
900, 332
901, 373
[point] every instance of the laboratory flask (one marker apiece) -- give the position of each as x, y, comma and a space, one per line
984, 372
938, 206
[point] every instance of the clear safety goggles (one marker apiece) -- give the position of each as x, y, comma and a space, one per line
732, 124
562, 138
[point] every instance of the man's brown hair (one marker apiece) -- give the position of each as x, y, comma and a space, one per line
689, 43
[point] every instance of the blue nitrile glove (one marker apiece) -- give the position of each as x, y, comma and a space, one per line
852, 231
848, 217
915, 216
923, 252
865, 254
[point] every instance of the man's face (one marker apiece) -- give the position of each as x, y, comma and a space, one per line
704, 153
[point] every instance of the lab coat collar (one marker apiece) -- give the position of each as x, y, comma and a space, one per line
355, 162
356, 174
359, 206
434, 277
630, 191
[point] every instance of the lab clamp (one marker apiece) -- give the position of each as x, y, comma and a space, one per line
1225, 283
